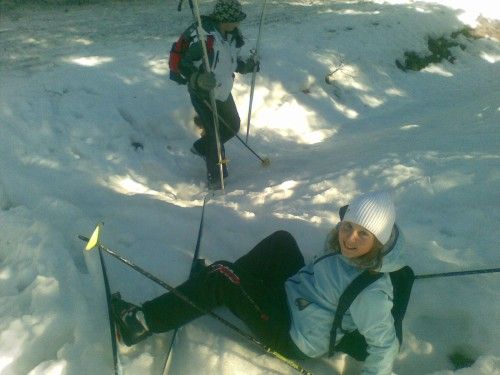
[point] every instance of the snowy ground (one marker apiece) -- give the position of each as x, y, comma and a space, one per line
80, 84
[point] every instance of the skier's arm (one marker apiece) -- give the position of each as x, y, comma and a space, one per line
243, 66
192, 59
247, 66
371, 313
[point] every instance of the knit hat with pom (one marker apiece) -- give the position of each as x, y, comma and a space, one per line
373, 211
228, 11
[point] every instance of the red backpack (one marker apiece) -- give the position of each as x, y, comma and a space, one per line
178, 50
176, 53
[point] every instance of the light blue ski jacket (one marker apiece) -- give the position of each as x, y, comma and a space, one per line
313, 295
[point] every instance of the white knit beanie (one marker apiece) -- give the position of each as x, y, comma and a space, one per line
374, 211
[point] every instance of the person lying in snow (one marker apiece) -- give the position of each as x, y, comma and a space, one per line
223, 42
290, 306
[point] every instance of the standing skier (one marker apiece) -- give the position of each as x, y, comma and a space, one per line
223, 42
290, 306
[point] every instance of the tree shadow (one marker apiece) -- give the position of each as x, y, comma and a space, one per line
97, 78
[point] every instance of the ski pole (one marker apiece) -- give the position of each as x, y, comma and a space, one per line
193, 268
264, 161
254, 73
458, 273
94, 242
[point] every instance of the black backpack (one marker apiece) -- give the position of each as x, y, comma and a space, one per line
353, 343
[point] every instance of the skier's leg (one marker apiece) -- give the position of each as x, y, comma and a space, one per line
229, 124
214, 286
206, 146
263, 272
261, 305
230, 119
274, 259
264, 309
169, 311
204, 121
212, 158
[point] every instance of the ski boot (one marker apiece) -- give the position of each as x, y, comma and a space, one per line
213, 181
198, 149
130, 322
214, 185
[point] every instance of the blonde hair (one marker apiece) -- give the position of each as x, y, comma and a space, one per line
370, 261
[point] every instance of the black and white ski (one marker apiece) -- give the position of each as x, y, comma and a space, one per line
112, 329
196, 264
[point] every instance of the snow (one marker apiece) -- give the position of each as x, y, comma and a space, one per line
80, 83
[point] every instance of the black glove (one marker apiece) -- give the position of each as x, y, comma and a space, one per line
203, 81
249, 65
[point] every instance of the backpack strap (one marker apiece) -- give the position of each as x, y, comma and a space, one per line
348, 296
402, 282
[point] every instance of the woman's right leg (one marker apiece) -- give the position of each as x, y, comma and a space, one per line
217, 285
270, 263
274, 259
213, 286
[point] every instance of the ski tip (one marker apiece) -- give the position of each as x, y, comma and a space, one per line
207, 197
94, 239
266, 162
216, 194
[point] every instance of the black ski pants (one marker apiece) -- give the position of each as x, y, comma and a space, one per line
252, 288
229, 125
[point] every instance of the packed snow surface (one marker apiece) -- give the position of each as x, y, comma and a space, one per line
83, 87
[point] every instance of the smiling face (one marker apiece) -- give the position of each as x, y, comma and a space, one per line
354, 240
